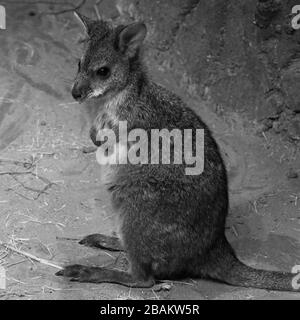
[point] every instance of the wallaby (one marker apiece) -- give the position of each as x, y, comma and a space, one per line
171, 225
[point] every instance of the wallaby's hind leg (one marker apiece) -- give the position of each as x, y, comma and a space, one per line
102, 241
82, 273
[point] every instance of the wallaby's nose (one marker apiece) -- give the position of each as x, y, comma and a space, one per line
77, 93
80, 89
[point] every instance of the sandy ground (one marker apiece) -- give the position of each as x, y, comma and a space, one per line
50, 194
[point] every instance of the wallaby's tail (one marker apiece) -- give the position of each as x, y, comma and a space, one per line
223, 265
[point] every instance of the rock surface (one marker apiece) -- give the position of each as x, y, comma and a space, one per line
241, 55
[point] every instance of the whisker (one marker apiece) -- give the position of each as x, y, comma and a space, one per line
67, 80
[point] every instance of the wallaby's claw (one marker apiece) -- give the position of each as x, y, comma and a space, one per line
76, 272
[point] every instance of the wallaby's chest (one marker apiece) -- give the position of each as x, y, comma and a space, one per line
108, 117
106, 120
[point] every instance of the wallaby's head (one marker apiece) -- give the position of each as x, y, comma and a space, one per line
110, 59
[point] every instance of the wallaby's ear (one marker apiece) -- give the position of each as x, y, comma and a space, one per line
131, 38
84, 21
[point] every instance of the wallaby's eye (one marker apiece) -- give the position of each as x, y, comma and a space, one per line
103, 72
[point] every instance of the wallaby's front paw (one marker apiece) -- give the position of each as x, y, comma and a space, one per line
76, 272
102, 241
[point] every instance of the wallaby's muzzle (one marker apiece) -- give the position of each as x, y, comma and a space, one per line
80, 91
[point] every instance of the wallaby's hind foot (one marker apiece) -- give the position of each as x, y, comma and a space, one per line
82, 273
102, 241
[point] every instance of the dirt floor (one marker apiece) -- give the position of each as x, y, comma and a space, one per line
50, 196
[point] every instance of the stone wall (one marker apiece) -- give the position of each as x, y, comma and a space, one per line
241, 56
